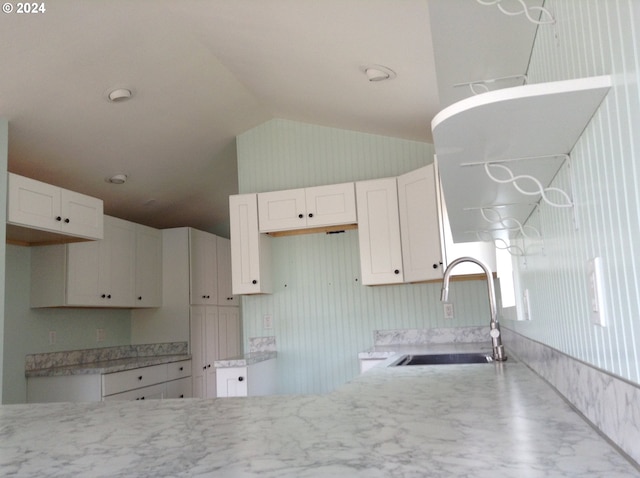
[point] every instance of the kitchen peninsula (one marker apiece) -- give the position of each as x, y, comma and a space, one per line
486, 420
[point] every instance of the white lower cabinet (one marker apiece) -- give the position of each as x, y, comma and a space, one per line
253, 380
168, 380
215, 335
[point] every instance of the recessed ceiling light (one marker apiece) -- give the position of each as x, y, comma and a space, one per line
117, 179
120, 94
378, 72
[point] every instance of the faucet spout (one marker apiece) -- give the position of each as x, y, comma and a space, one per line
496, 336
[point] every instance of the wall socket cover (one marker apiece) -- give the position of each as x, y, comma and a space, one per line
267, 321
448, 310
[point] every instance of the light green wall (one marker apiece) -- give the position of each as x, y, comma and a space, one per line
322, 316
4, 148
592, 38
26, 330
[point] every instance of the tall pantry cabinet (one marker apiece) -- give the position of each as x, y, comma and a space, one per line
197, 304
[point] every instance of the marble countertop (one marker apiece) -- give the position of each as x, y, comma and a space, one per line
107, 366
483, 420
245, 360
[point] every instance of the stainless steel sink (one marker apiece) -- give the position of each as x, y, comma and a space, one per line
442, 359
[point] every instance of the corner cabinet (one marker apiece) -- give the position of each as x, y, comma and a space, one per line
103, 273
250, 250
398, 229
37, 205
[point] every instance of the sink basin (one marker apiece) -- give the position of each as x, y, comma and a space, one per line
442, 359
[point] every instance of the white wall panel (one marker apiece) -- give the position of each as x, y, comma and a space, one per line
592, 38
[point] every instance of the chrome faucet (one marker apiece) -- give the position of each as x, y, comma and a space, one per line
496, 338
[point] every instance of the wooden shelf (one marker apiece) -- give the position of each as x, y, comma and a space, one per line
538, 122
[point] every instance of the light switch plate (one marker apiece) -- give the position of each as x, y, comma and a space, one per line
267, 321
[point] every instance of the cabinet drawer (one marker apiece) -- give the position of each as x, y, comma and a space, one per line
179, 388
177, 370
132, 379
153, 392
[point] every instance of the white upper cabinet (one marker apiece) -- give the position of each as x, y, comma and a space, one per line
102, 273
419, 227
250, 250
319, 206
204, 268
39, 205
148, 291
379, 232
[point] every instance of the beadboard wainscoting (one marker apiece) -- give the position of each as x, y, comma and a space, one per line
322, 315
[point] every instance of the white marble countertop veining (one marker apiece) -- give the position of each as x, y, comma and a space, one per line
482, 420
245, 360
107, 366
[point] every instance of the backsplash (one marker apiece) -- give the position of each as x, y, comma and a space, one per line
611, 404
78, 357
442, 335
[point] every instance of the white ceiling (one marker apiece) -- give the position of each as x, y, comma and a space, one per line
203, 72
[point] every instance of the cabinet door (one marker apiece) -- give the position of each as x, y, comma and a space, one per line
225, 289
379, 231
331, 205
233, 382
204, 350
250, 250
282, 210
118, 267
228, 332
81, 215
148, 291
102, 272
419, 228
204, 273
33, 203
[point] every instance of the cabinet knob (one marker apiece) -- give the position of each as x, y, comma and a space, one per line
254, 281
240, 379
58, 218
182, 395
67, 220
140, 377
397, 271
181, 369
208, 365
104, 296
204, 368
300, 216
310, 214
108, 296
435, 266
139, 297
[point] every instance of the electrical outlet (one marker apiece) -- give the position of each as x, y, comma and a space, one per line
52, 337
101, 334
267, 321
596, 299
448, 310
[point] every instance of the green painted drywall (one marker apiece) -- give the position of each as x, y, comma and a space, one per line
4, 148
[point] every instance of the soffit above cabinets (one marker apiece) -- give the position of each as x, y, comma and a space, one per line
528, 129
475, 42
